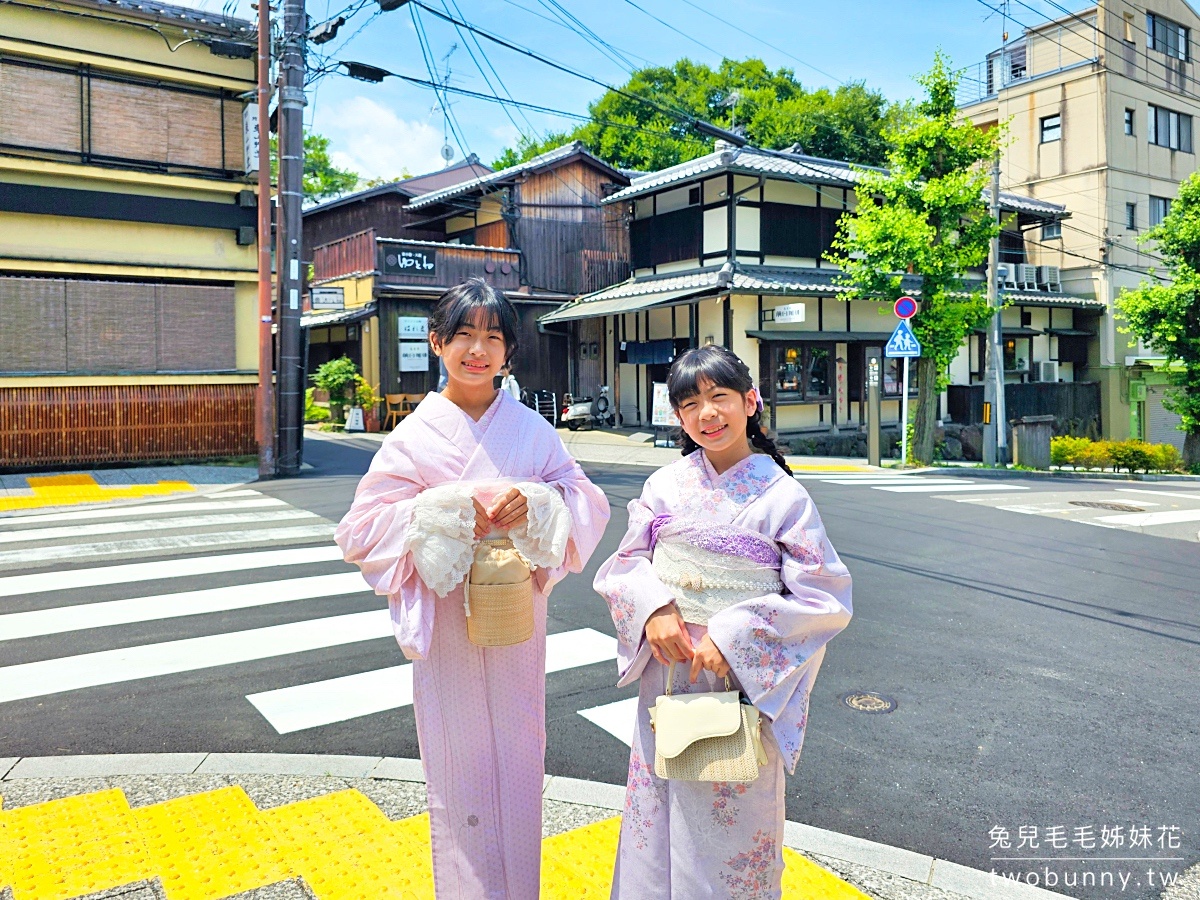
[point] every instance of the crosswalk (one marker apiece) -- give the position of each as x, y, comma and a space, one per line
901, 483
227, 559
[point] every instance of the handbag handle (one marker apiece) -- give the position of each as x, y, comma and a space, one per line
671, 679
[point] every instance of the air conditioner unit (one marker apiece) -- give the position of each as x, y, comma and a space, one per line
1048, 278
1046, 370
1027, 276
1006, 275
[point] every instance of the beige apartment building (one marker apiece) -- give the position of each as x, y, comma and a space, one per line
1100, 106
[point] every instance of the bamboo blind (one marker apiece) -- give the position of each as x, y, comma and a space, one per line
128, 121
33, 325
116, 423
196, 328
111, 327
40, 108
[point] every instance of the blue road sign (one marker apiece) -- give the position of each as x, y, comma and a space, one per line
902, 343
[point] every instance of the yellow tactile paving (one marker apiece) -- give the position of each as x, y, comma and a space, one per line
69, 490
211, 845
78, 845
216, 844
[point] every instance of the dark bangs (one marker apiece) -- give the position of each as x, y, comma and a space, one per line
479, 305
711, 363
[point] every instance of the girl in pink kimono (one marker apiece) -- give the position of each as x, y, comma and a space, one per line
471, 462
726, 569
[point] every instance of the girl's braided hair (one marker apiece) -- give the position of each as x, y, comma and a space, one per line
713, 363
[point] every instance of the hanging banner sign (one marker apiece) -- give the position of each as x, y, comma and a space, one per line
327, 298
409, 262
662, 415
250, 138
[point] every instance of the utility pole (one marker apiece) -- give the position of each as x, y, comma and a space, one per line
265, 395
995, 434
291, 196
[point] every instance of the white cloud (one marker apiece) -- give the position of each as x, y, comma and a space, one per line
372, 140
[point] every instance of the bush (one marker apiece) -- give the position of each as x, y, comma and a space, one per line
1093, 456
1063, 450
312, 412
1165, 458
364, 394
335, 377
1132, 456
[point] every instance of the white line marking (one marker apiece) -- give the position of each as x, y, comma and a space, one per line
15, 585
237, 493
62, 619
17, 536
618, 718
1141, 520
318, 703
871, 482
73, 673
943, 489
1195, 496
133, 512
13, 558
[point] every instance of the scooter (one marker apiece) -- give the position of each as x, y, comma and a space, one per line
585, 412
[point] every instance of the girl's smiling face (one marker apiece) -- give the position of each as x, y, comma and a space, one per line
475, 353
715, 418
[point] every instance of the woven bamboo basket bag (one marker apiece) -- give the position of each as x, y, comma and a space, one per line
498, 595
706, 737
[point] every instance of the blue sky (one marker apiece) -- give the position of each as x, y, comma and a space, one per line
386, 129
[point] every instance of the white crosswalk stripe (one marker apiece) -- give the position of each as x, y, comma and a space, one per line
616, 718
189, 587
903, 483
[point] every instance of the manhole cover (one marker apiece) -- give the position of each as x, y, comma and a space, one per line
869, 702
1099, 504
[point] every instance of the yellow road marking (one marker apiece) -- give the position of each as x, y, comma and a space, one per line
68, 490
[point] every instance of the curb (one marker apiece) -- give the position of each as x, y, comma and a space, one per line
965, 471
906, 864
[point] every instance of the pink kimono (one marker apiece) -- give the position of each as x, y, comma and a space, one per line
480, 711
745, 558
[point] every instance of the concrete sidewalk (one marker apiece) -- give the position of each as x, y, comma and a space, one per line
205, 826
39, 492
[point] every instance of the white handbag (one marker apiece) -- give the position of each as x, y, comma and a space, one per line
706, 737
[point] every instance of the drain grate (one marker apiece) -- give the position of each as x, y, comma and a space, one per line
1099, 504
869, 702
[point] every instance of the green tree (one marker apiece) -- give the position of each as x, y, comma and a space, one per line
1166, 317
322, 179
933, 222
775, 110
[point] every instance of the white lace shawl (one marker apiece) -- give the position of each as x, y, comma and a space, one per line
441, 536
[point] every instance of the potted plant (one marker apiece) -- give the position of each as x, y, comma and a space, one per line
335, 377
366, 398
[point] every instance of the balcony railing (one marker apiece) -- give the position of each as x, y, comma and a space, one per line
415, 263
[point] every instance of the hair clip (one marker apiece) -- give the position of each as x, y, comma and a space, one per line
758, 400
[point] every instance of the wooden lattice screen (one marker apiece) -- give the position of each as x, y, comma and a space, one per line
42, 426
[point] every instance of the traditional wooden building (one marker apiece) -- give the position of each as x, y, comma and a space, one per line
777, 301
127, 234
538, 231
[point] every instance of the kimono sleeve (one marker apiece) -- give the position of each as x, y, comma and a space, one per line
398, 528
627, 582
775, 643
567, 517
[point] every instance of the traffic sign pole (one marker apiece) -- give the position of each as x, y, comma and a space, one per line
904, 417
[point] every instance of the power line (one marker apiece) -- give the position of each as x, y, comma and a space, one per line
588, 34
556, 21
439, 88
766, 43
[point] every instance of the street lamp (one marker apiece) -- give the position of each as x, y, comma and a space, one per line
363, 72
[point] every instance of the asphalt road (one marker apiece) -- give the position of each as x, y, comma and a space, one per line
1043, 672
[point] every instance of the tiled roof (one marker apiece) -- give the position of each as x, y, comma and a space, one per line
176, 15
549, 158
794, 167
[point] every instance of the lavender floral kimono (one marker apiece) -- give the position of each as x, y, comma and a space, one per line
480, 711
745, 558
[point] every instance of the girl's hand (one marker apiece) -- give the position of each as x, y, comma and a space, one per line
483, 524
668, 636
707, 656
509, 510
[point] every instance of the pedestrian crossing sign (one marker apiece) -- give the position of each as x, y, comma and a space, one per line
902, 343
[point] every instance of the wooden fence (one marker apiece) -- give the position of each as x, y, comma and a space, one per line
1074, 405
41, 426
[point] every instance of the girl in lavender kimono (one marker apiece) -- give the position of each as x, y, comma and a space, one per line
725, 568
471, 462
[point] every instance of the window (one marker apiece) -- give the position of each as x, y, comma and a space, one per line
1168, 128
1159, 208
1129, 121
1051, 128
804, 231
1051, 230
1167, 37
1018, 351
1131, 216
804, 372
